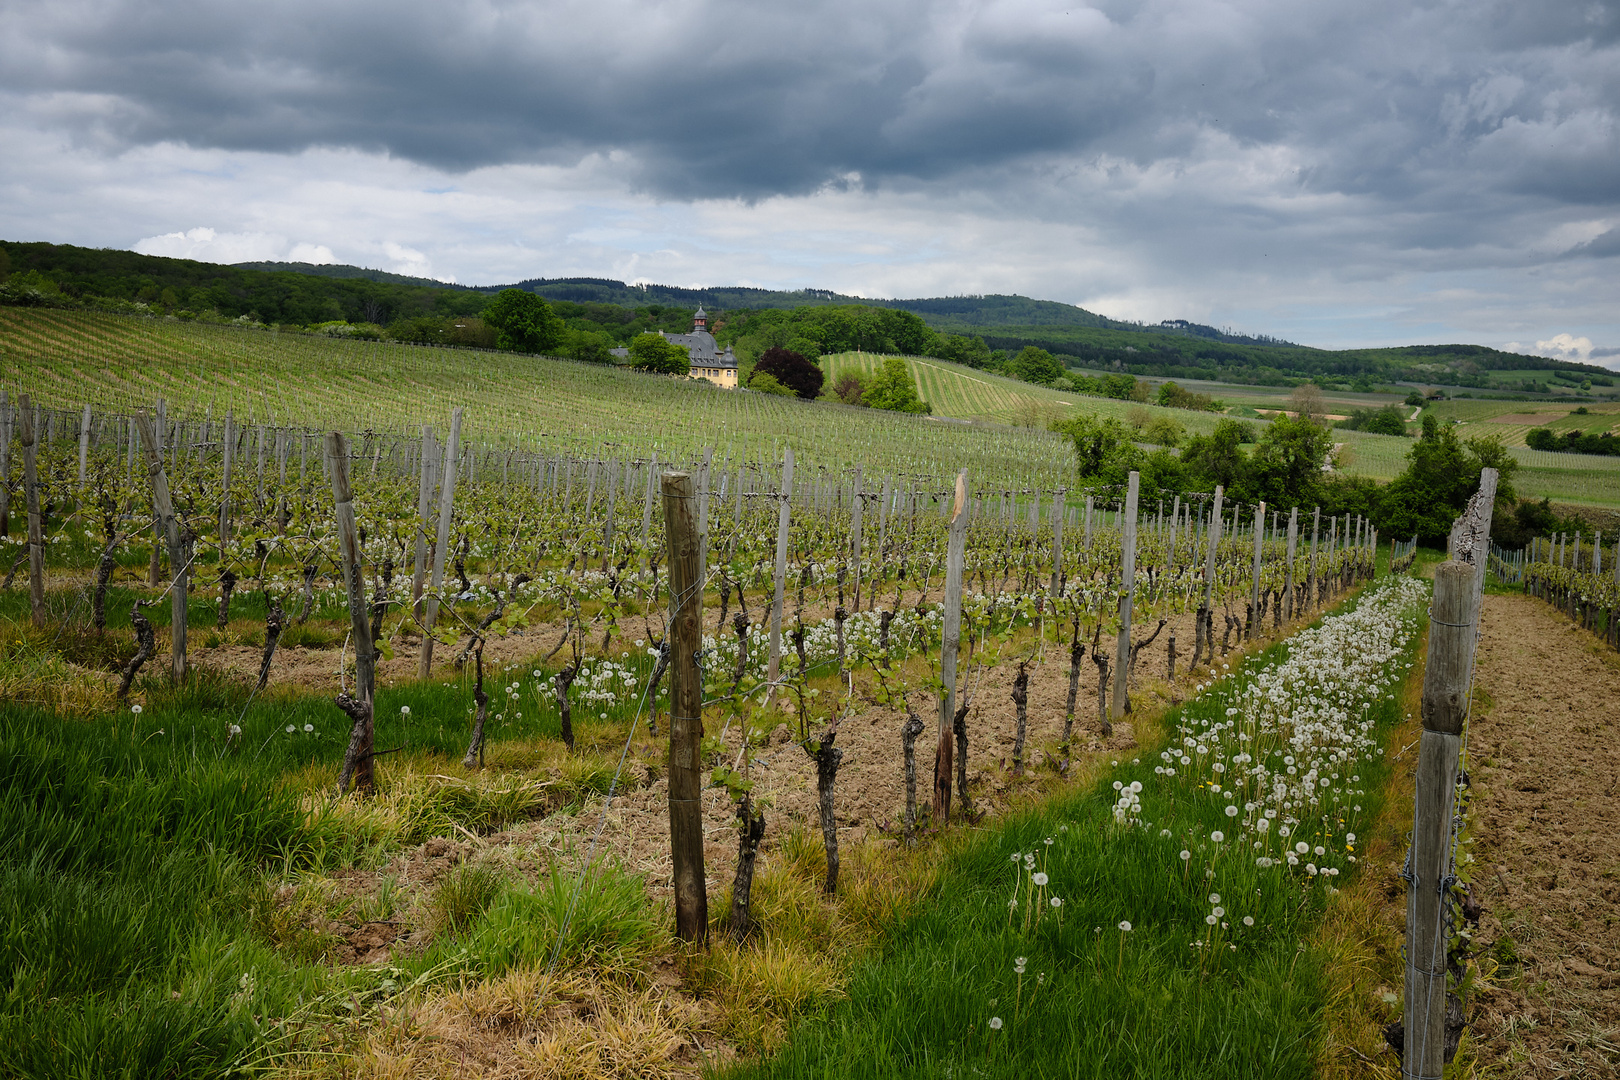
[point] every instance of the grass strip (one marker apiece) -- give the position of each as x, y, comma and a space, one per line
1180, 943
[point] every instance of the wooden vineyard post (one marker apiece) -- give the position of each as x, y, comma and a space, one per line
784, 512
84, 446
955, 556
1288, 574
447, 501
855, 507
685, 709
646, 515
1127, 592
1253, 627
1059, 501
882, 537
36, 533
6, 431
358, 759
228, 453
612, 506
1206, 614
163, 514
424, 510
1447, 678
1310, 575
154, 570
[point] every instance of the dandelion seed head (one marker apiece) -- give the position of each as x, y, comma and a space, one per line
995, 1023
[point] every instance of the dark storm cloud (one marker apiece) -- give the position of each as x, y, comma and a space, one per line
1400, 101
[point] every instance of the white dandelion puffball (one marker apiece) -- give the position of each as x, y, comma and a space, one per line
1214, 898
1231, 811
1211, 920
1302, 847
404, 710
1057, 901
1217, 836
308, 728
995, 1023
1185, 854
1349, 838
1039, 879
1218, 912
290, 727
1248, 920
1263, 825
1125, 925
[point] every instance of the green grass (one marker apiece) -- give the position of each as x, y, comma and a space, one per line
1093, 1000
511, 400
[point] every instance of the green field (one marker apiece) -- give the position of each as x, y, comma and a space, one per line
991, 425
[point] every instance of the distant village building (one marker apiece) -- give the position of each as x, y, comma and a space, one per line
707, 361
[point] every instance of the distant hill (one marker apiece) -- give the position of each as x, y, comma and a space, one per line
343, 270
302, 294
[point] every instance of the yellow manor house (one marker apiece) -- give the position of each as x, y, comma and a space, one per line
707, 361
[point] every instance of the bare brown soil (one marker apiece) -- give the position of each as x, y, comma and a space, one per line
1546, 763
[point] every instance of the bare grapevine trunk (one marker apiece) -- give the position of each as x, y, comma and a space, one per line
1101, 660
828, 758
104, 572
750, 831
1077, 653
227, 585
959, 729
273, 624
475, 749
145, 642
1020, 697
912, 728
565, 679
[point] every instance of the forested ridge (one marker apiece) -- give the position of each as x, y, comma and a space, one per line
597, 314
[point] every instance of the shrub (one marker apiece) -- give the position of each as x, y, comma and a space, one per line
792, 370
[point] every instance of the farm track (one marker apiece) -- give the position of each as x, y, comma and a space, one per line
1546, 757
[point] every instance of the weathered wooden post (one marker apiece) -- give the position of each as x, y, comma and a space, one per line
447, 501
955, 557
358, 756
228, 447
1127, 592
685, 708
1253, 628
856, 505
163, 516
36, 531
7, 421
84, 445
1206, 613
429, 479
1288, 577
784, 511
1447, 679
1059, 498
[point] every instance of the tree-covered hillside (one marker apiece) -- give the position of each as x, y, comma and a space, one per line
599, 314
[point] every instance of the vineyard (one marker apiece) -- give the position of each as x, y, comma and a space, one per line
507, 746
993, 426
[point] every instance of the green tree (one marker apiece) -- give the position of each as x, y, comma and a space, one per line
1442, 473
1103, 448
1286, 467
1218, 458
792, 370
894, 389
766, 383
656, 353
1034, 365
523, 322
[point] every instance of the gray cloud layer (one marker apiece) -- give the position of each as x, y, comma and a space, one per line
1397, 100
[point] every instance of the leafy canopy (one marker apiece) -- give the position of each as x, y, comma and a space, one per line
893, 388
793, 370
656, 353
523, 322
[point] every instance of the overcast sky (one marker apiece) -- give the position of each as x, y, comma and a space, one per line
1376, 172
